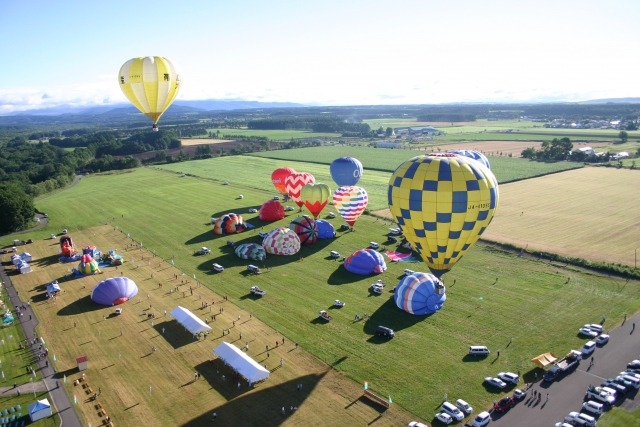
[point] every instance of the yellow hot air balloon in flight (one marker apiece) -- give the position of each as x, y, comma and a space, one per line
151, 83
442, 203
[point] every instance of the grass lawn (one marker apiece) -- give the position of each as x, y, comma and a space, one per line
493, 298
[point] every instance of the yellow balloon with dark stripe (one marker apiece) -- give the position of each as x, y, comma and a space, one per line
443, 203
151, 83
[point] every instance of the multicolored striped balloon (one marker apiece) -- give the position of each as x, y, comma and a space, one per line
350, 201
281, 241
420, 294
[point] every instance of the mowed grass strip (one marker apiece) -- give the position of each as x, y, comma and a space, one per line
493, 297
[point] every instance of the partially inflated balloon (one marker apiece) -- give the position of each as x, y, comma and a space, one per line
151, 83
281, 241
315, 197
350, 201
420, 293
442, 203
278, 178
294, 183
271, 210
346, 171
476, 155
306, 229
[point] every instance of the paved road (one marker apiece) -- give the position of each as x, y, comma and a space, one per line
59, 398
567, 395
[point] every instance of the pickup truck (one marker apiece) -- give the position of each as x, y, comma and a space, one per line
257, 291
601, 395
566, 365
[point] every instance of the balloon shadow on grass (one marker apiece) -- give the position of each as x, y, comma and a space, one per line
341, 276
82, 305
389, 315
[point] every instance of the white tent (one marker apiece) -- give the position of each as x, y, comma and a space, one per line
241, 362
53, 287
189, 320
39, 409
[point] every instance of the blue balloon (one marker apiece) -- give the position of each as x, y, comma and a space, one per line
476, 155
325, 229
365, 261
346, 171
420, 294
114, 291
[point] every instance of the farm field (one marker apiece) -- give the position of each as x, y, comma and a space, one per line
493, 297
273, 134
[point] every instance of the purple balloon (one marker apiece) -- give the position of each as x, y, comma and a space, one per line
114, 291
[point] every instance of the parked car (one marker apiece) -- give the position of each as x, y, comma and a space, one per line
593, 407
253, 210
217, 267
203, 251
452, 410
504, 404
519, 394
634, 364
509, 377
595, 327
621, 389
444, 418
482, 419
602, 339
383, 331
580, 418
599, 394
563, 424
464, 406
588, 348
495, 382
587, 332
417, 424
288, 208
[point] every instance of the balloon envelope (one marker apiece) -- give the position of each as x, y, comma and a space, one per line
114, 291
271, 210
365, 261
346, 171
350, 202
420, 293
252, 251
88, 265
306, 229
281, 241
473, 154
325, 229
442, 203
315, 197
278, 178
151, 83
294, 184
229, 224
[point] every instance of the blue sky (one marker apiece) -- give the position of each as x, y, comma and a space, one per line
327, 52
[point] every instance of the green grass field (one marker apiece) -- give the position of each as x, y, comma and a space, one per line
274, 135
492, 297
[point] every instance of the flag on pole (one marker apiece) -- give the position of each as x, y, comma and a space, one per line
75, 400
64, 379
54, 357
390, 401
172, 263
366, 385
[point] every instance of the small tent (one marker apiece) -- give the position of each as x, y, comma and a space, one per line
545, 359
189, 320
39, 409
241, 362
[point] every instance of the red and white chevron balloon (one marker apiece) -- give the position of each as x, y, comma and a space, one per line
294, 183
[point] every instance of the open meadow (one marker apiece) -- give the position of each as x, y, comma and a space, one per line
494, 298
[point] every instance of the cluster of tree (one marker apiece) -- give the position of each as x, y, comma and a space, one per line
451, 117
331, 124
550, 151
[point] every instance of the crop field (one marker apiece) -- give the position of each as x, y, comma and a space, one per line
274, 134
493, 298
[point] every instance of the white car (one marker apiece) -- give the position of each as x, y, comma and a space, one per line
563, 424
451, 410
464, 406
519, 394
482, 419
509, 377
588, 332
288, 208
495, 382
588, 348
444, 418
253, 210
338, 303
581, 419
634, 364
595, 327
417, 424
602, 339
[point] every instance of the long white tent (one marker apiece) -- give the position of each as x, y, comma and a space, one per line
189, 320
241, 362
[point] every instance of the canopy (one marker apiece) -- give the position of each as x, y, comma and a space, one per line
189, 320
39, 409
544, 359
242, 363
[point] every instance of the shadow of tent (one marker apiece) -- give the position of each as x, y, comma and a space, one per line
82, 305
389, 315
265, 402
44, 262
174, 333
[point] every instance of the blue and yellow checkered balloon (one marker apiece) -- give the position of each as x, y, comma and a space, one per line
442, 203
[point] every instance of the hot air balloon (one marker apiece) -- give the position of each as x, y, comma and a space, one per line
278, 178
442, 203
346, 171
294, 183
325, 229
66, 247
88, 265
420, 294
473, 154
114, 291
306, 229
252, 251
315, 197
350, 202
151, 83
365, 261
281, 241
271, 210
229, 224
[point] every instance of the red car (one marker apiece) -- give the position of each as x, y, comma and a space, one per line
504, 404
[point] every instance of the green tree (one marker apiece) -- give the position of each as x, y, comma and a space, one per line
623, 135
16, 208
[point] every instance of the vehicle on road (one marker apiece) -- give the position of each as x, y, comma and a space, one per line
482, 419
599, 394
519, 394
588, 348
602, 339
593, 407
581, 419
504, 404
495, 382
634, 364
509, 377
444, 418
567, 364
620, 389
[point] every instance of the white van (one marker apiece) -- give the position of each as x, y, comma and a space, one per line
335, 254
254, 269
217, 267
588, 348
449, 408
635, 382
408, 272
374, 245
593, 407
478, 350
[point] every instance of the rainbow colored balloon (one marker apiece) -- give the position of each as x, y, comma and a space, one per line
350, 202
